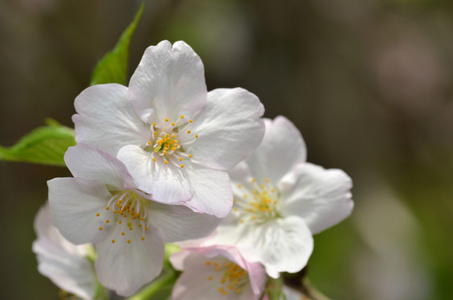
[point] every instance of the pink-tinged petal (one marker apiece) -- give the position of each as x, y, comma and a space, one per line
106, 119
170, 81
229, 128
165, 182
179, 223
59, 260
74, 203
90, 163
212, 191
281, 150
125, 267
200, 278
321, 197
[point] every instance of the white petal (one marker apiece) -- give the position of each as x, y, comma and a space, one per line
240, 173
179, 223
165, 183
74, 203
90, 163
281, 245
286, 245
126, 267
229, 128
169, 80
212, 191
281, 150
321, 197
59, 260
106, 119
292, 294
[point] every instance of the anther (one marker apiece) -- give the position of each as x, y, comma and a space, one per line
107, 221
188, 131
120, 221
166, 162
182, 166
143, 238
190, 121
166, 119
196, 136
100, 228
154, 124
154, 159
180, 159
128, 241
113, 241
97, 215
122, 233
172, 123
182, 116
107, 208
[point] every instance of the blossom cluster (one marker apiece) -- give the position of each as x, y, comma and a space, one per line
165, 161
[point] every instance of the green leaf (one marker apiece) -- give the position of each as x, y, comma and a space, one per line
112, 68
44, 145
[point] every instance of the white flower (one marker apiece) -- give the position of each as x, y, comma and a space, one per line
281, 200
176, 139
101, 206
216, 273
61, 261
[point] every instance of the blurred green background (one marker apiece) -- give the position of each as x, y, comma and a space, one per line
368, 83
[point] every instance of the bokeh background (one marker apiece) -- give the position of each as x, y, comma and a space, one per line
368, 82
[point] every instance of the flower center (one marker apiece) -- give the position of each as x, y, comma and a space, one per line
257, 203
232, 277
168, 140
125, 213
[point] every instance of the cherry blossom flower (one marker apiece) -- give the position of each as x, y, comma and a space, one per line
216, 273
280, 201
176, 139
100, 205
62, 262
